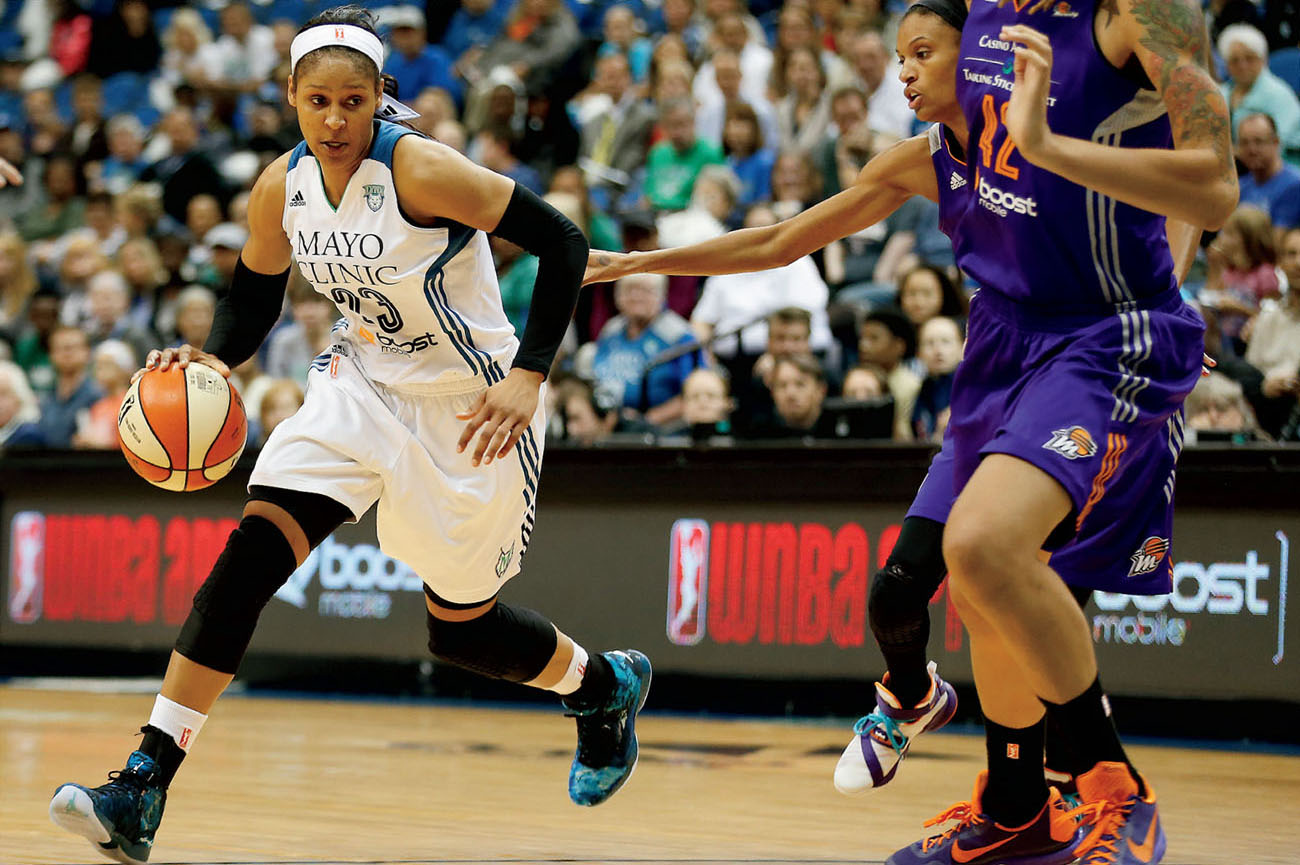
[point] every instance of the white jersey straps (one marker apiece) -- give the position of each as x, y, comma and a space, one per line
421, 306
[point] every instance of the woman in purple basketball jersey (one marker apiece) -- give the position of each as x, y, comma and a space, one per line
1085, 134
934, 165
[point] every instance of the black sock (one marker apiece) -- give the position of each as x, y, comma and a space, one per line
164, 751
1016, 790
1086, 723
597, 685
909, 680
1057, 749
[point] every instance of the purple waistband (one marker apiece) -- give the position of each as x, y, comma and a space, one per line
1048, 319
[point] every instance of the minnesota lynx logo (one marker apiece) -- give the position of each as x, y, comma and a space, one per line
374, 196
1072, 443
503, 560
1148, 556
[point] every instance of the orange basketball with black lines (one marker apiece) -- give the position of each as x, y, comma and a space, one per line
182, 429
1155, 547
1080, 436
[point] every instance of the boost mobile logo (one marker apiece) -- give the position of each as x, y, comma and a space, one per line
355, 581
1001, 202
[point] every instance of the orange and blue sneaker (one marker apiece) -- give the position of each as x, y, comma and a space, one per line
977, 839
1124, 827
881, 739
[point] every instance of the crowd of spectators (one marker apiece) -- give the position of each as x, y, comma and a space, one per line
140, 126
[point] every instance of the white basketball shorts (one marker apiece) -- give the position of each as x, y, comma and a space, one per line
462, 529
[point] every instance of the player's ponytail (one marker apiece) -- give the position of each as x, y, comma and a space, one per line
390, 109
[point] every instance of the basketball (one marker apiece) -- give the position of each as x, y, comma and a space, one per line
182, 429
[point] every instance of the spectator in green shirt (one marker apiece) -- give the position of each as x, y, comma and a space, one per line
674, 162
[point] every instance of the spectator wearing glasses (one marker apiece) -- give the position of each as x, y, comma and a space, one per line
1268, 183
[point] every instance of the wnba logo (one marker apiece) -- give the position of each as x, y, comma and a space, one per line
688, 578
1149, 556
1072, 443
26, 566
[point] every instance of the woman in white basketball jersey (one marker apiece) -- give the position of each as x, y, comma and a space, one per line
426, 403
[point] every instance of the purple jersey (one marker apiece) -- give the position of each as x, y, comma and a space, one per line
950, 174
1033, 237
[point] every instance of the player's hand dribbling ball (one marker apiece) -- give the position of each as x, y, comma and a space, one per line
182, 429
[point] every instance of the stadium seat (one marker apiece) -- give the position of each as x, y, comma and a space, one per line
124, 92
63, 101
162, 19
297, 11
1285, 64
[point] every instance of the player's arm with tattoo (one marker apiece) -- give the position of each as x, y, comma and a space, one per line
1195, 182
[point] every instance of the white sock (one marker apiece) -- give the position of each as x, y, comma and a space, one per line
572, 678
181, 723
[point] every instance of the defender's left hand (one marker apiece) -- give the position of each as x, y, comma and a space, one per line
503, 412
1026, 112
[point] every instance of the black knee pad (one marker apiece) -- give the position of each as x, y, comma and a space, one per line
898, 603
511, 643
255, 563
315, 514
919, 551
898, 608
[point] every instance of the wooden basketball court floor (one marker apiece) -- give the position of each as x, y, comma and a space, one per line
320, 782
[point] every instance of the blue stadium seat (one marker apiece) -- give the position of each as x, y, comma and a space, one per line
147, 115
11, 106
63, 101
211, 17
162, 19
124, 92
1285, 64
297, 11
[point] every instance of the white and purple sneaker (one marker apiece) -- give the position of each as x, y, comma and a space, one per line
882, 738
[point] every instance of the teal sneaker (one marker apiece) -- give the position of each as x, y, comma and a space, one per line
607, 749
118, 818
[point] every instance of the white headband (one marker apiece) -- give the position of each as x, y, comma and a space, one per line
344, 35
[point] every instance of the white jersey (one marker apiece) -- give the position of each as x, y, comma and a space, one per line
421, 305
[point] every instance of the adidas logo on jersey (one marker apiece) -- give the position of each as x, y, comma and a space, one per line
298, 200
956, 181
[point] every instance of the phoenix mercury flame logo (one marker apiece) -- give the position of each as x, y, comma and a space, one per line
1072, 443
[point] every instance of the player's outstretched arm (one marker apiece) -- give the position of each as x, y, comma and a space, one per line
9, 175
246, 313
1195, 182
882, 186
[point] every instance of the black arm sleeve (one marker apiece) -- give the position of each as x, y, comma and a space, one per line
246, 314
562, 251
